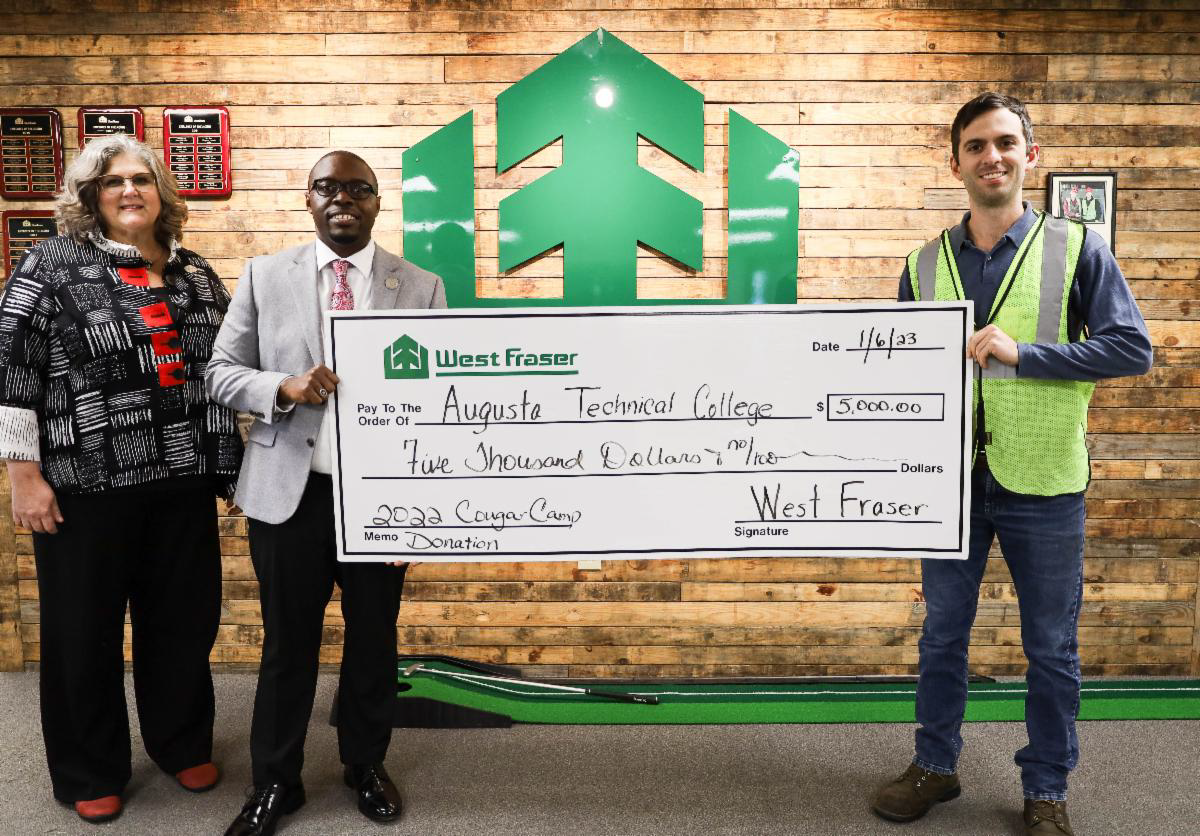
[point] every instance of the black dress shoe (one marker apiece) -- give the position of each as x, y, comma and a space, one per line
264, 808
378, 798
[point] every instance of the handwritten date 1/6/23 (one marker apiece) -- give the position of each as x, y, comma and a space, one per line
870, 340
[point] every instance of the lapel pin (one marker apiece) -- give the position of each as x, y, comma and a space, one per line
390, 283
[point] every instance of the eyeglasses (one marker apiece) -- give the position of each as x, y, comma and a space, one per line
114, 183
328, 187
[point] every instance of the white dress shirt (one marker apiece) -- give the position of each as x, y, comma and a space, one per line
359, 277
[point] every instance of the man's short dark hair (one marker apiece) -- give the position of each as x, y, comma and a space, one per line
340, 153
980, 105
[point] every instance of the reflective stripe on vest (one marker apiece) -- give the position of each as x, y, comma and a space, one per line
927, 268
1054, 266
1054, 277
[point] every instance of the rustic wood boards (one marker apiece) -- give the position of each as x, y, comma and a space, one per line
865, 91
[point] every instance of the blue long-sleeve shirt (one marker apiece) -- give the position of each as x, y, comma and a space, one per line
1117, 343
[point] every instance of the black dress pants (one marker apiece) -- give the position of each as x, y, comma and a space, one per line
158, 550
296, 564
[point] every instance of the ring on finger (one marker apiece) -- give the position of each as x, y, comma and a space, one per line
324, 392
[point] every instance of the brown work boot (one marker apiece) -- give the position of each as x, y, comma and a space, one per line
912, 794
1047, 818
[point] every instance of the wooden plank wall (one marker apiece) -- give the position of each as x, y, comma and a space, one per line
866, 90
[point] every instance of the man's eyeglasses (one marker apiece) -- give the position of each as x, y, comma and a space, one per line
328, 187
114, 183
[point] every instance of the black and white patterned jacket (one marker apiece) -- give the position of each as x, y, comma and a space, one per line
103, 381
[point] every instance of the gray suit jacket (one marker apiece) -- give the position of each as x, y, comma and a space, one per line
273, 330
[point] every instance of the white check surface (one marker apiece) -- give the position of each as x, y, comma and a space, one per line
565, 434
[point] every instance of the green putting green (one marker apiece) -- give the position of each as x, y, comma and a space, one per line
463, 687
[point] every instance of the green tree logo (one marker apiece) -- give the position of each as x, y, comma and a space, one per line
406, 359
598, 97
600, 203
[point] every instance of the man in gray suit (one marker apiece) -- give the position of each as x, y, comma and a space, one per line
269, 361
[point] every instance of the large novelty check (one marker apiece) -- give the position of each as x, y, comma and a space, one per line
667, 432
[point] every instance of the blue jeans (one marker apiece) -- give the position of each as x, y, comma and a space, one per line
1042, 541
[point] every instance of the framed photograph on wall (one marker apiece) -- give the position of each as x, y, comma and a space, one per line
1087, 196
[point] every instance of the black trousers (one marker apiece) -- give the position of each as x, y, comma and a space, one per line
296, 565
158, 550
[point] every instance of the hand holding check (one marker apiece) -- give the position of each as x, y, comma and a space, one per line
313, 386
990, 341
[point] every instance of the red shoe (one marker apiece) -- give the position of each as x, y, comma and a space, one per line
99, 810
200, 778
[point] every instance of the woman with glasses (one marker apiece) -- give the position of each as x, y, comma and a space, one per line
115, 455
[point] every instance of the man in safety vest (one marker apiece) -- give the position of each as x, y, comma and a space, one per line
1053, 314
1089, 208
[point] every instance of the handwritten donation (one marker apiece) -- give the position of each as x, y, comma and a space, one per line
651, 432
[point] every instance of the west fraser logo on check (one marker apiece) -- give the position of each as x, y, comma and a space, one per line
406, 359
688, 432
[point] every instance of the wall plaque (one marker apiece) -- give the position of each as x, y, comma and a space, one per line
23, 229
103, 121
196, 150
31, 152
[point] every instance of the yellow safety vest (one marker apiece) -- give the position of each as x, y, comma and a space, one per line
1034, 429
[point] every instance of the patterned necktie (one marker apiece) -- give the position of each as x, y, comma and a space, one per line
342, 298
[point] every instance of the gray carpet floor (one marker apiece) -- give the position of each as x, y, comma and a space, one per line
1135, 778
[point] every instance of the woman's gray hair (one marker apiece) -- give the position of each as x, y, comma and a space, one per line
76, 209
